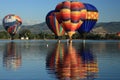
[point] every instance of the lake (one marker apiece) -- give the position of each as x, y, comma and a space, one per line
50, 60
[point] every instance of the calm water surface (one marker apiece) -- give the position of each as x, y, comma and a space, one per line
49, 60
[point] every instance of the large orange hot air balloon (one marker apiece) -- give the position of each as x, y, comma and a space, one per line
69, 14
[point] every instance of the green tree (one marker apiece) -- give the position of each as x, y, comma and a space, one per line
111, 36
26, 33
4, 35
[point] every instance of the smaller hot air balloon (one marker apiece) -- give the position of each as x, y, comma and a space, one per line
54, 25
89, 22
12, 24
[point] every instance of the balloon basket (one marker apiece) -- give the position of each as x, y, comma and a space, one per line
70, 34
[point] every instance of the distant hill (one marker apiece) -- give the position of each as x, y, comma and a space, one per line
42, 27
111, 27
37, 28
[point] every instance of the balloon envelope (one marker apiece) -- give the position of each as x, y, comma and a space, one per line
12, 23
53, 24
90, 20
69, 13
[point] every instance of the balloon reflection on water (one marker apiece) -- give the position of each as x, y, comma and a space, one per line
12, 56
69, 63
89, 61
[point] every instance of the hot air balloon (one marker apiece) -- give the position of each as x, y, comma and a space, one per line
69, 14
12, 24
90, 20
54, 25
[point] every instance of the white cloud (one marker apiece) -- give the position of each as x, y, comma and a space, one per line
30, 22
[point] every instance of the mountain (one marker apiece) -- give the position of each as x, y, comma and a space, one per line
109, 27
37, 28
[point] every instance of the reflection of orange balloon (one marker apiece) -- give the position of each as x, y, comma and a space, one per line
69, 13
73, 66
68, 63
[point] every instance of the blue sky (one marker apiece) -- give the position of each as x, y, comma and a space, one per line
34, 11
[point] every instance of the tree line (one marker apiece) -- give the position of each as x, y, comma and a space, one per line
44, 35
